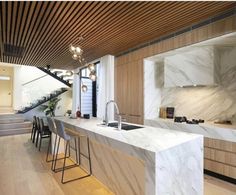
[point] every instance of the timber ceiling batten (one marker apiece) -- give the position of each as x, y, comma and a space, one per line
38, 33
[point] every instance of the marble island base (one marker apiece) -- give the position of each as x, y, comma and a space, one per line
147, 161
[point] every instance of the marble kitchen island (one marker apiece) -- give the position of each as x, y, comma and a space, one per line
145, 161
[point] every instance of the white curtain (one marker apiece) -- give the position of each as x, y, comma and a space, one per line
105, 86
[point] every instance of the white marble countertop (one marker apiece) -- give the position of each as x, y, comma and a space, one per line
163, 152
208, 129
149, 138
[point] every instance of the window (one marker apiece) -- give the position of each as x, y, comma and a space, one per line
88, 99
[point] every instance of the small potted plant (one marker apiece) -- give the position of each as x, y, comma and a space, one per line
50, 108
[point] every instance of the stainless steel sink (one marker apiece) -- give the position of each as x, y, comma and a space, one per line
124, 126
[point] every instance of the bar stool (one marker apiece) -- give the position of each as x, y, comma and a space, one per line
32, 137
53, 129
62, 134
43, 132
37, 131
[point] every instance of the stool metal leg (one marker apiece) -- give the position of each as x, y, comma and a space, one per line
32, 132
55, 160
40, 141
53, 152
76, 151
49, 143
89, 159
37, 138
55, 163
64, 163
34, 135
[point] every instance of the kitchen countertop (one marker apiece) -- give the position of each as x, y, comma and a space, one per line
149, 138
208, 129
162, 152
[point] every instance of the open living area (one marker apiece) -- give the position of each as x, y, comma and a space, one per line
118, 97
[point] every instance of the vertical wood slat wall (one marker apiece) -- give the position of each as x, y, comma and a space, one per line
129, 67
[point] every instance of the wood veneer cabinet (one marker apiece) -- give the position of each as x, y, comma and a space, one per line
220, 157
128, 90
129, 67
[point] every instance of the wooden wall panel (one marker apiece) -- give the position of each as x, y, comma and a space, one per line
46, 28
212, 30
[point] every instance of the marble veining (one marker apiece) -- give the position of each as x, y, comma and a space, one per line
153, 79
158, 153
205, 129
197, 66
209, 102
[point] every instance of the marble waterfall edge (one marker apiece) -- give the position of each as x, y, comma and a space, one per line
146, 161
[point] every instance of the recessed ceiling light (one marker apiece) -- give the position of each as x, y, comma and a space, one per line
4, 78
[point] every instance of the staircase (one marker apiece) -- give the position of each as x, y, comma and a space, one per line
63, 76
14, 124
57, 75
43, 100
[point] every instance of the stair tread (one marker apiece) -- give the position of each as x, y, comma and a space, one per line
12, 118
22, 122
17, 129
11, 115
15, 125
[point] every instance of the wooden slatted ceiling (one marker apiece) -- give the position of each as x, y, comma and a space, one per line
45, 29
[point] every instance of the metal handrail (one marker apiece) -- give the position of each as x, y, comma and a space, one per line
34, 80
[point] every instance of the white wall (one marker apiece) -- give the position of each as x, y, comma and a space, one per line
17, 88
27, 93
63, 105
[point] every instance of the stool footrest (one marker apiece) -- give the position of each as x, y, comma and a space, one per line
82, 177
67, 167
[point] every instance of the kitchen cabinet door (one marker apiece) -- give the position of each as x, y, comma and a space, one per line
121, 84
135, 88
129, 90
135, 119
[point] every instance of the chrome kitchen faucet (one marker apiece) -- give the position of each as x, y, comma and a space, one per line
117, 111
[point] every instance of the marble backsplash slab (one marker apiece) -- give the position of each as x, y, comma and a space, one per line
208, 103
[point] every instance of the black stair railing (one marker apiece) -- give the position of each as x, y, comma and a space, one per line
55, 76
43, 100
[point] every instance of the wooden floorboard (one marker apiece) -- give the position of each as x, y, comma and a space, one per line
23, 170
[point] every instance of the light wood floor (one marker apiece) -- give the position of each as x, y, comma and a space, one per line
23, 171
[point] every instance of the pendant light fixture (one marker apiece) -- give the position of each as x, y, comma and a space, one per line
91, 67
92, 76
84, 88
77, 53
